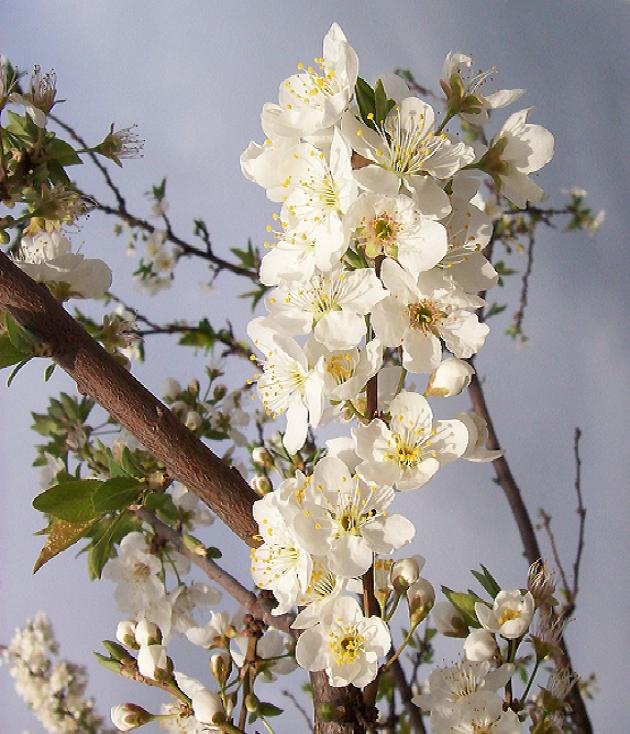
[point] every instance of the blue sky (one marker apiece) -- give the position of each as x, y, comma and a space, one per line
194, 78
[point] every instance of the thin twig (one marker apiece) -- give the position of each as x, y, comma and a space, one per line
520, 314
259, 608
299, 707
581, 511
545, 525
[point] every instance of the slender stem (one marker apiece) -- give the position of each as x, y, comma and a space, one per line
530, 681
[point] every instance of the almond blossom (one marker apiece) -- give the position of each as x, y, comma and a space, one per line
345, 644
405, 153
408, 452
346, 519
420, 314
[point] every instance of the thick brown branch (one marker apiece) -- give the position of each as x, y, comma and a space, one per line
97, 374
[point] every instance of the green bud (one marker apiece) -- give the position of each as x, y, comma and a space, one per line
252, 704
117, 652
112, 665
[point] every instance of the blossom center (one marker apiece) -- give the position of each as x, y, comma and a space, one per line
425, 316
339, 368
347, 646
381, 233
507, 615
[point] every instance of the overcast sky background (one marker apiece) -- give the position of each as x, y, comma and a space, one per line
194, 76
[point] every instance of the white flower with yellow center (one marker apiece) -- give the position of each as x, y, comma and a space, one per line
345, 372
346, 519
323, 589
480, 713
288, 384
420, 314
315, 97
280, 564
137, 574
393, 226
48, 258
332, 305
345, 644
510, 615
449, 685
405, 153
517, 150
408, 452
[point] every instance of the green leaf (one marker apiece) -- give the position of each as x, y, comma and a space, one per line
366, 100
8, 353
16, 369
269, 709
48, 372
163, 506
494, 310
63, 153
19, 337
487, 580
22, 126
464, 603
61, 535
87, 499
107, 534
382, 105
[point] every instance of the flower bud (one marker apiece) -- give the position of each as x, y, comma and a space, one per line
193, 420
128, 716
148, 633
449, 379
171, 389
219, 392
193, 387
480, 645
208, 707
251, 703
262, 457
152, 660
405, 572
448, 620
221, 666
261, 485
117, 652
420, 597
194, 545
126, 633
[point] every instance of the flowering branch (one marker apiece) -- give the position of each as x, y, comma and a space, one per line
127, 401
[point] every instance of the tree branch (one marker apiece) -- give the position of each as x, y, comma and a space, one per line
259, 607
97, 374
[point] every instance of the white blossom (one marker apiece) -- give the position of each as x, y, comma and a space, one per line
408, 452
510, 615
420, 314
346, 644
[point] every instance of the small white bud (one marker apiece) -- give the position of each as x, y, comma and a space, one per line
126, 633
449, 378
405, 572
147, 633
448, 620
151, 659
420, 597
480, 645
128, 716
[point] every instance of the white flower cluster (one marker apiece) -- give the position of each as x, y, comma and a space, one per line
376, 269
53, 689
